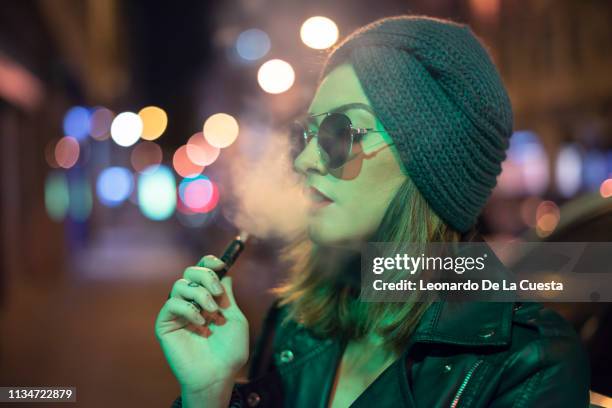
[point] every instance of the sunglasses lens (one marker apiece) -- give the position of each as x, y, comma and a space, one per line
335, 138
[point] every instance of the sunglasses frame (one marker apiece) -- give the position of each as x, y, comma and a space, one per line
356, 134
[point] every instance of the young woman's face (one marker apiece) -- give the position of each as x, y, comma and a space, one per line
347, 204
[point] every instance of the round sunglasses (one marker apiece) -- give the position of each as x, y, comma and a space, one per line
335, 138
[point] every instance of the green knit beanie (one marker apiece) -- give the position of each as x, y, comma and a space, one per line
439, 96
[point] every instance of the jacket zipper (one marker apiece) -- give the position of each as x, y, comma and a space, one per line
467, 378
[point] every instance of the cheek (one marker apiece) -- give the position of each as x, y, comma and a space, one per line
368, 204
361, 202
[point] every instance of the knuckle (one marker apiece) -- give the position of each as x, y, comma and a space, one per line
205, 296
210, 257
212, 274
187, 272
191, 309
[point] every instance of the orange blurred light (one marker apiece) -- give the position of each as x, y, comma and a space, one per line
67, 152
606, 188
221, 130
183, 165
154, 121
547, 218
485, 9
146, 156
546, 225
200, 151
528, 210
547, 207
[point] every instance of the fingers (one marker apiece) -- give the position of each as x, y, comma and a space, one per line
186, 289
183, 309
211, 262
205, 277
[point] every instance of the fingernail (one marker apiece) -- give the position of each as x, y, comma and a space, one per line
201, 320
211, 304
217, 288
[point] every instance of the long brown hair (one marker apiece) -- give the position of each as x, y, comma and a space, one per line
331, 307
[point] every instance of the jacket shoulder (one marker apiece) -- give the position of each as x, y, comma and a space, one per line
547, 364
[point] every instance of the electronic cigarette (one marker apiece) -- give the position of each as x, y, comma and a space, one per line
231, 253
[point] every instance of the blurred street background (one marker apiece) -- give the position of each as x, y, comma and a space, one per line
121, 120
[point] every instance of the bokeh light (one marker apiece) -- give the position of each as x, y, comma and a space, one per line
485, 9
606, 188
101, 120
275, 76
77, 122
50, 153
57, 198
146, 155
199, 194
183, 165
527, 151
547, 218
81, 200
67, 152
200, 151
157, 193
126, 129
319, 32
114, 185
221, 130
154, 120
252, 44
568, 170
528, 210
595, 169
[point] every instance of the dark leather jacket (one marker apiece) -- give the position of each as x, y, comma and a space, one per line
469, 354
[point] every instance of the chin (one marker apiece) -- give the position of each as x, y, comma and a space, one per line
329, 236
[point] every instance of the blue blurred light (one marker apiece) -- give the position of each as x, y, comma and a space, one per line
526, 151
157, 192
114, 186
77, 122
252, 44
568, 170
595, 169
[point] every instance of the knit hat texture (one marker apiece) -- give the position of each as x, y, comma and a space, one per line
436, 91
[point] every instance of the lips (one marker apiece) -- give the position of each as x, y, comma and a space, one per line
318, 199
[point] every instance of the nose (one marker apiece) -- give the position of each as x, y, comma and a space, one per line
310, 160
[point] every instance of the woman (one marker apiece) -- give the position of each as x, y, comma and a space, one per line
430, 123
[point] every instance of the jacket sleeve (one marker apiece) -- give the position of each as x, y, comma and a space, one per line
242, 392
551, 371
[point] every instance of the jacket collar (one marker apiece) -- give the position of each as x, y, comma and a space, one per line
468, 323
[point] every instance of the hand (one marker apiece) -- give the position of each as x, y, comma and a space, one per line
205, 350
